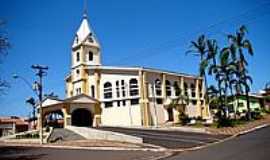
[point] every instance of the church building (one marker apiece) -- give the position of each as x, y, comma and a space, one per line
100, 95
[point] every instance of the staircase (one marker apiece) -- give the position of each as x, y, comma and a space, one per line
62, 134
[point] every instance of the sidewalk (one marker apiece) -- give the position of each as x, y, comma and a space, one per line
97, 143
241, 128
83, 144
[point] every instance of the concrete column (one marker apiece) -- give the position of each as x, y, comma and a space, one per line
206, 113
81, 54
38, 122
64, 115
144, 102
199, 106
141, 93
146, 105
182, 85
85, 87
163, 85
97, 85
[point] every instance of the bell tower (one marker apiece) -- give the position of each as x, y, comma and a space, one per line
85, 52
85, 48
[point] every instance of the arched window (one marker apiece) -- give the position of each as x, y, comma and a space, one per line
193, 92
90, 39
186, 89
93, 91
78, 91
168, 88
107, 90
78, 56
177, 90
90, 56
158, 87
78, 72
133, 87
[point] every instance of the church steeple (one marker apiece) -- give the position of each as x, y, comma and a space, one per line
85, 34
85, 48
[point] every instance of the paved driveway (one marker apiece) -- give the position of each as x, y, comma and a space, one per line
169, 139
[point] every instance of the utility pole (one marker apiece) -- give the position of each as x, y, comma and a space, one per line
40, 73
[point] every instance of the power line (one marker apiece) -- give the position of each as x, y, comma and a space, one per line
175, 42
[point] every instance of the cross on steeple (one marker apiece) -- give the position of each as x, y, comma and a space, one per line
84, 33
85, 9
85, 47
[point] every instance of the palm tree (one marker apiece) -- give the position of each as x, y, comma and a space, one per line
212, 50
33, 104
238, 45
224, 72
246, 80
199, 48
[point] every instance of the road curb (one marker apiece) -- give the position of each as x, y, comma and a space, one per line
253, 129
222, 140
174, 151
180, 129
86, 148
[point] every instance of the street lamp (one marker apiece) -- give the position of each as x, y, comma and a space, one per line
15, 76
38, 90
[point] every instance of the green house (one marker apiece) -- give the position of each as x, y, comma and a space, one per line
238, 104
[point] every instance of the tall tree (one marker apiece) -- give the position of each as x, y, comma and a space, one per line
199, 48
240, 46
223, 74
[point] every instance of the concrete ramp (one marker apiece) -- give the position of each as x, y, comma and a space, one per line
95, 134
62, 134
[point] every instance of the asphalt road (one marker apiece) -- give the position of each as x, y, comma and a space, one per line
169, 139
253, 146
28, 153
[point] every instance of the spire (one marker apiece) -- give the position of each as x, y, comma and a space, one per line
84, 32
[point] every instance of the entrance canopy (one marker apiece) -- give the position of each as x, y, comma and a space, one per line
80, 110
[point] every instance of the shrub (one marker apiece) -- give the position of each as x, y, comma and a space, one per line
256, 115
184, 119
224, 122
266, 111
28, 136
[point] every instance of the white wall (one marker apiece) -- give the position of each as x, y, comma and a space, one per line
128, 115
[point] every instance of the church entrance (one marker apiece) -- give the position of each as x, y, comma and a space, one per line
81, 118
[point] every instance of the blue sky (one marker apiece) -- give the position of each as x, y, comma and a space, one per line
151, 33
